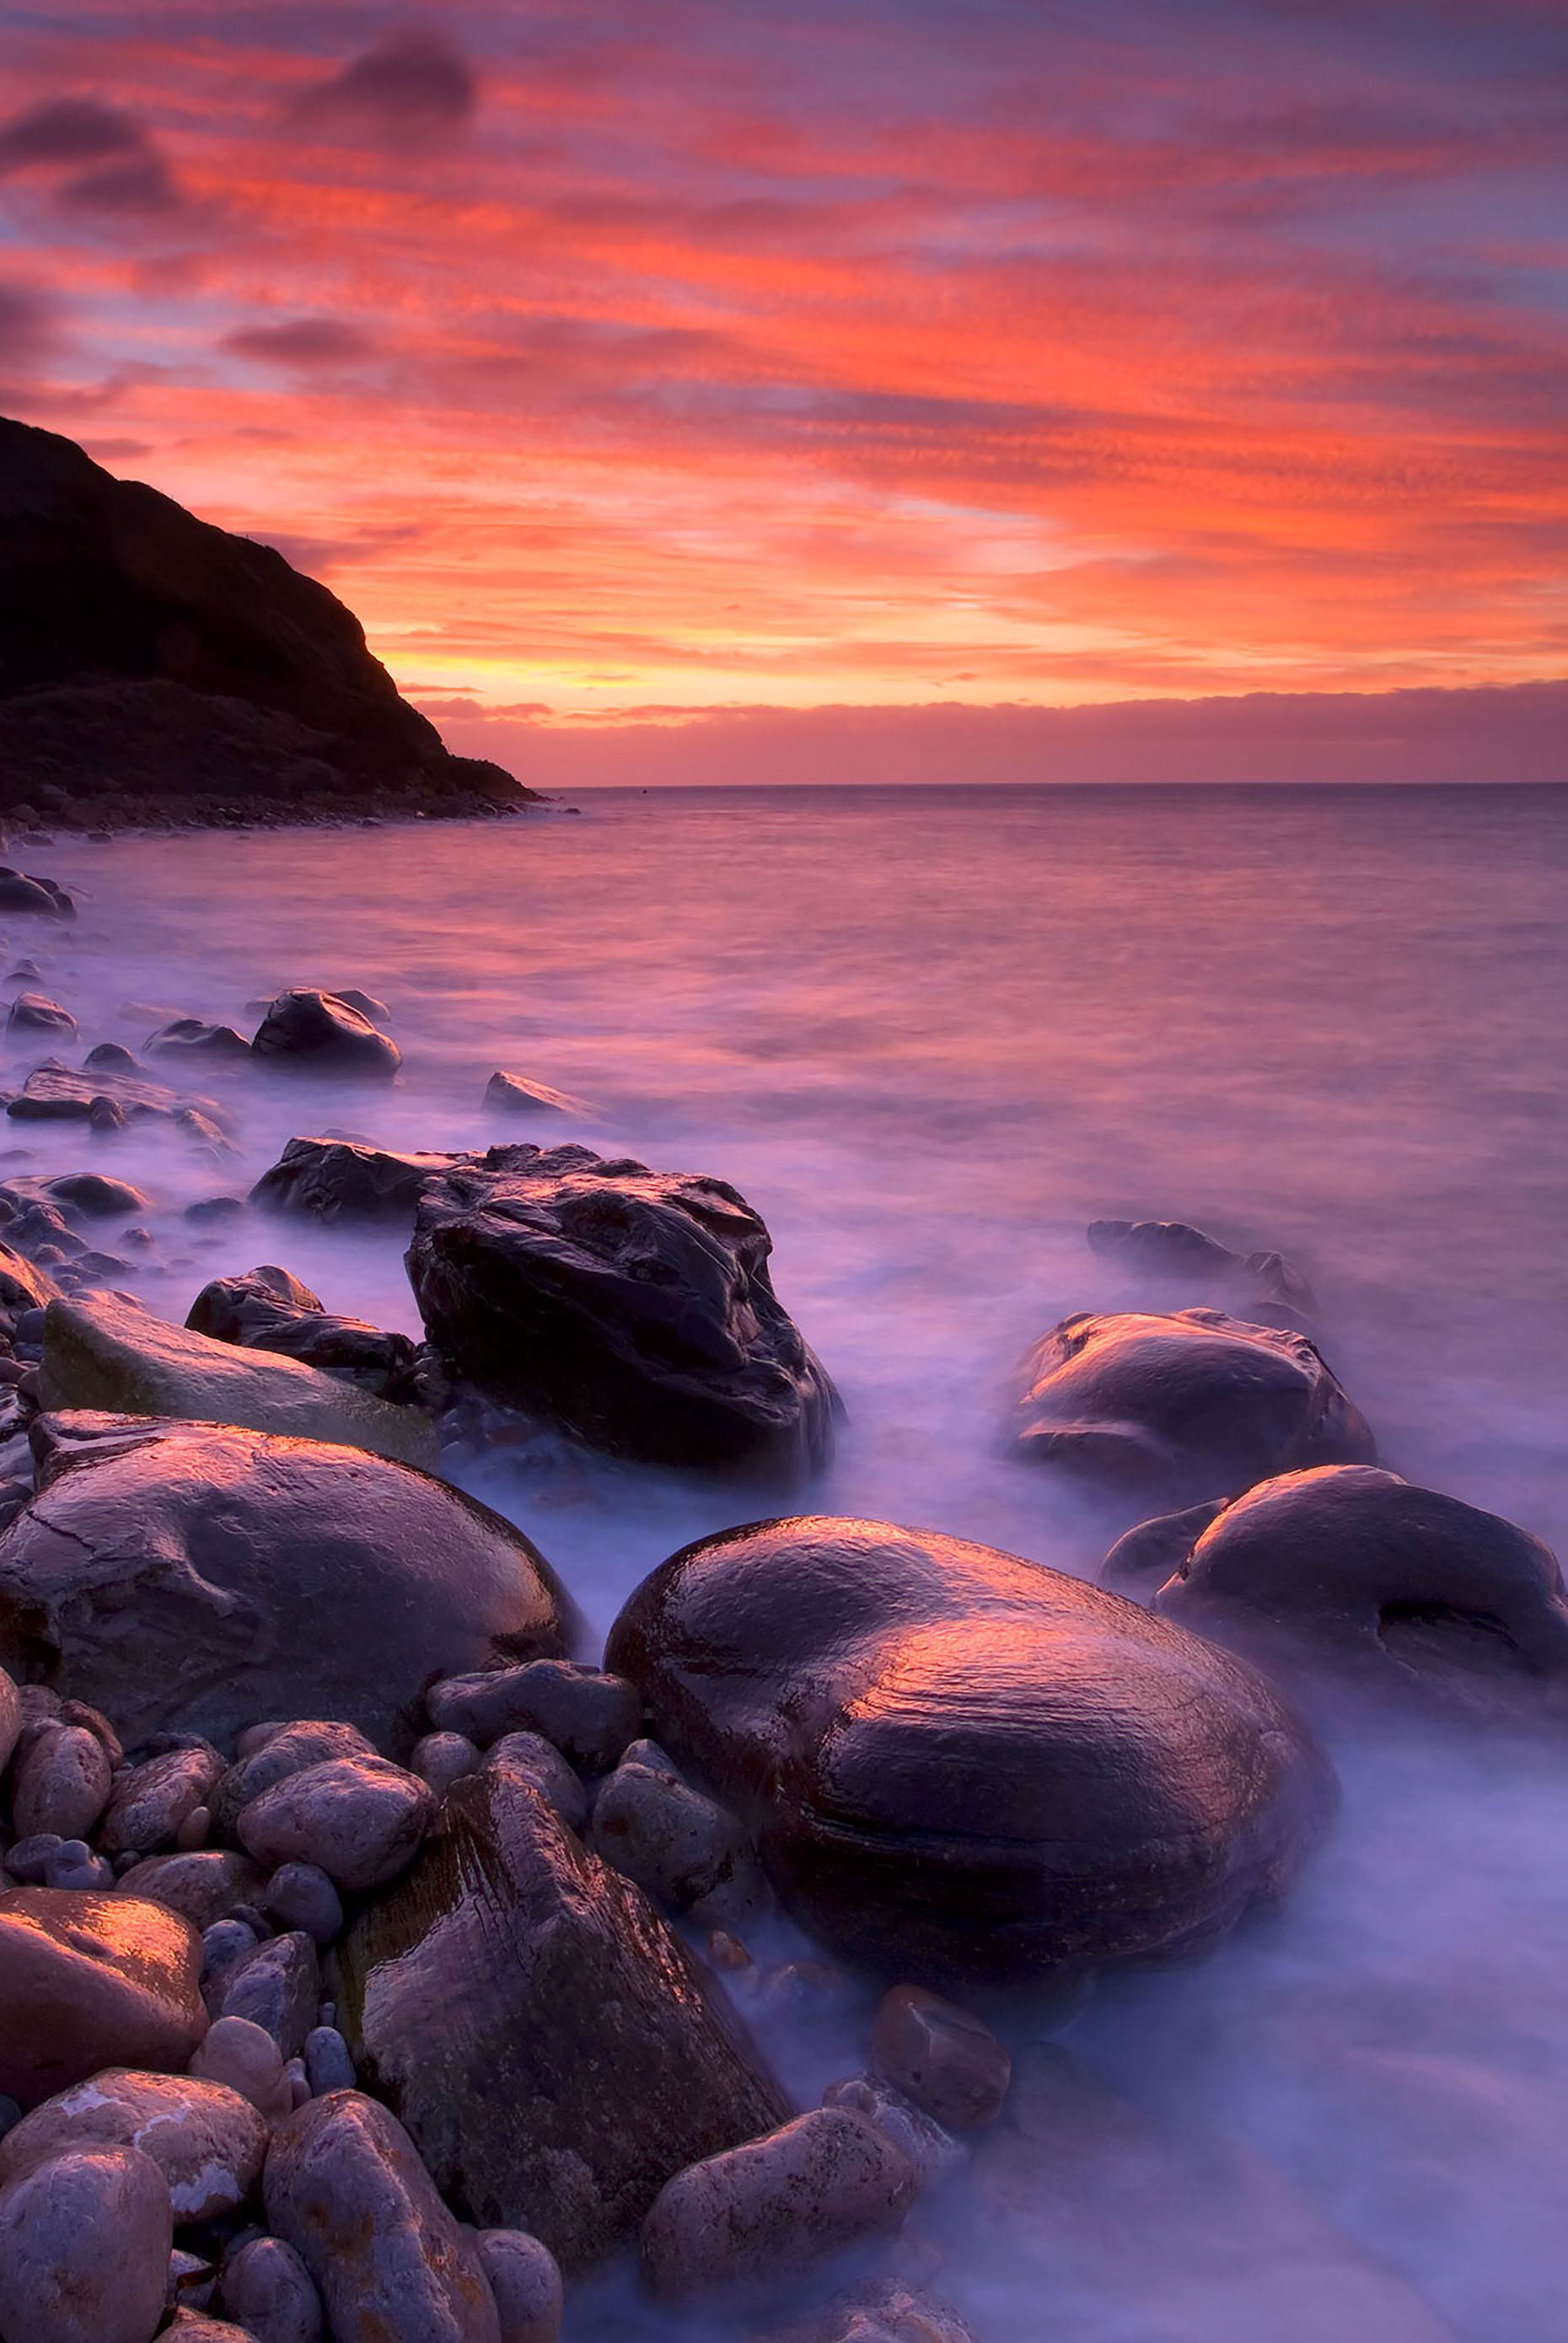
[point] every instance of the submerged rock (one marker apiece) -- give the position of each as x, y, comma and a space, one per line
19, 891
188, 1037
514, 1094
54, 1092
344, 1178
322, 1033
962, 1765
1358, 1571
633, 1309
35, 1012
1189, 1405
194, 1577
89, 1981
268, 1310
556, 2052
1262, 1285
105, 1353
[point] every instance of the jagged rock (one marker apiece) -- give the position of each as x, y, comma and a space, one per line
105, 1353
320, 1032
512, 1094
1189, 1405
268, 1310
553, 2048
341, 1179
633, 1309
961, 1764
191, 1577
89, 1981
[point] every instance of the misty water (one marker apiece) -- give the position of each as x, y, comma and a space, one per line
930, 1034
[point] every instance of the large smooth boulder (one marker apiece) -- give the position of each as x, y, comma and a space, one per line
84, 2250
632, 1308
196, 1577
1359, 1572
964, 1766
554, 2051
1188, 1405
269, 1310
322, 1034
103, 1351
209, 2143
346, 1179
90, 1981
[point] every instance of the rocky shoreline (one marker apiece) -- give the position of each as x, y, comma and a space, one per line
378, 1963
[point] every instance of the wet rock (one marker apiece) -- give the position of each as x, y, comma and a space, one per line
268, 2288
512, 1094
207, 2141
113, 1057
270, 1753
84, 2250
62, 1784
23, 1285
89, 1981
151, 1802
340, 1179
320, 1032
73, 1865
164, 1571
208, 1210
941, 2057
276, 1988
554, 2051
192, 2280
367, 1003
242, 2057
635, 1310
657, 1829
188, 1037
443, 1758
962, 1765
589, 1715
35, 1012
225, 1946
203, 1887
1140, 1561
1361, 1574
53, 1093
1258, 1286
875, 2313
20, 892
89, 1195
193, 2327
817, 2185
268, 1310
299, 1896
359, 1819
1190, 1405
346, 2188
932, 2150
105, 1353
327, 2065
541, 1763
525, 2283
10, 1718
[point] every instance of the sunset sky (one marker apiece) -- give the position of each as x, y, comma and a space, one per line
613, 356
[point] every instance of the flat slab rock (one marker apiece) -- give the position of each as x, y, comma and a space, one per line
961, 1764
53, 1092
195, 1578
554, 2049
105, 1353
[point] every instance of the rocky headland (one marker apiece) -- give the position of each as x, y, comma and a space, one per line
159, 672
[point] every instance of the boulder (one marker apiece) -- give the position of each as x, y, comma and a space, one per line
526, 2280
1189, 1405
89, 1981
268, 1310
805, 2192
513, 1094
268, 2288
358, 1819
590, 1717
103, 1351
189, 1037
286, 1750
634, 1310
207, 2142
192, 1577
320, 1033
1261, 1286
941, 2057
554, 2049
151, 1802
343, 1179
203, 1887
84, 2247
346, 2188
54, 1092
961, 1764
1359, 1572
19, 891
35, 1012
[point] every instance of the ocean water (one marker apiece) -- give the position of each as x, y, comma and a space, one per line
930, 1033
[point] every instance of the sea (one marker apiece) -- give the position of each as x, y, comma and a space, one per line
930, 1033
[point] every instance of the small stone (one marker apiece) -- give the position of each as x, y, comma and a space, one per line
150, 1803
361, 1820
298, 2080
60, 1784
256, 1736
809, 2190
270, 2291
940, 2056
301, 1896
29, 1858
541, 1763
224, 1947
344, 2186
35, 1012
727, 1952
590, 1717
526, 2282
327, 2062
192, 2279
193, 2327
278, 1987
84, 2243
91, 1981
245, 2059
93, 1720
667, 1836
192, 1834
207, 2140
934, 2151
443, 1758
284, 1749
73, 1865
